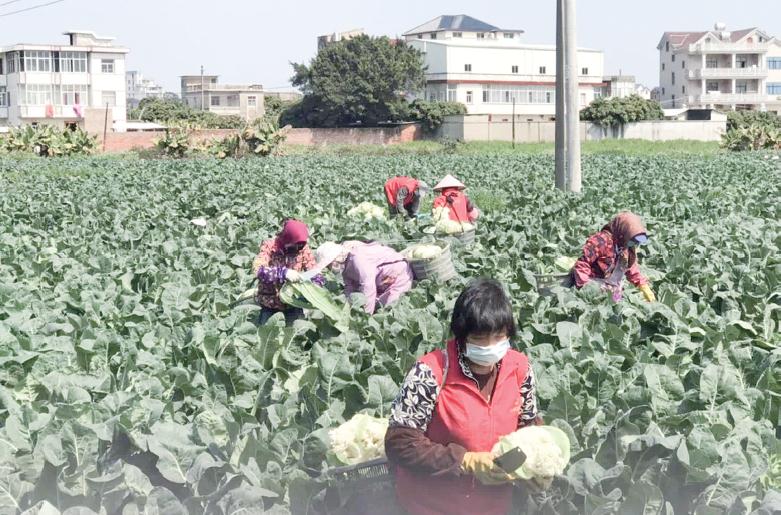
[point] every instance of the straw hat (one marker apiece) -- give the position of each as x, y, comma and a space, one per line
449, 182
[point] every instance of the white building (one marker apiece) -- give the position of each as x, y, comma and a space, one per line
58, 84
485, 68
326, 39
720, 69
139, 88
204, 92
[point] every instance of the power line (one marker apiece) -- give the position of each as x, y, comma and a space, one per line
11, 2
31, 8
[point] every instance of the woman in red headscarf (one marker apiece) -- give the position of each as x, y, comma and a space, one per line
282, 259
611, 254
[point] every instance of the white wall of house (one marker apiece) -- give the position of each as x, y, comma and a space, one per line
486, 74
58, 92
720, 71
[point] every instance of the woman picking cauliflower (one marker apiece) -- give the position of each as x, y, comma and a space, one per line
455, 405
452, 197
380, 273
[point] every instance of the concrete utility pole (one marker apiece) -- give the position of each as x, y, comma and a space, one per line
567, 111
202, 105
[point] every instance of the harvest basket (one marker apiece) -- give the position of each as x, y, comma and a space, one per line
465, 238
546, 282
439, 268
363, 488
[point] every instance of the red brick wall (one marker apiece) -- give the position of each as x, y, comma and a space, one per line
126, 141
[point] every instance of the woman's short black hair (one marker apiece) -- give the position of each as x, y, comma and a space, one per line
482, 308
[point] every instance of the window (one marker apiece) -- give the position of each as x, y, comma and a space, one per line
662, 91
773, 88
662, 66
4, 100
711, 62
504, 94
10, 58
667, 46
37, 61
107, 66
673, 101
36, 94
214, 101
458, 35
74, 94
509, 35
673, 77
514, 68
683, 65
712, 86
683, 89
741, 87
468, 97
673, 57
252, 101
451, 94
73, 62
108, 98
433, 35
584, 71
420, 36
467, 67
774, 63
1, 66
543, 70
481, 35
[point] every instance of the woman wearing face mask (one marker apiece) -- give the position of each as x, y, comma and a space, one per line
377, 271
282, 259
455, 404
611, 254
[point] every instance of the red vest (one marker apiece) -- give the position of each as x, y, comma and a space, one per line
394, 184
463, 416
457, 201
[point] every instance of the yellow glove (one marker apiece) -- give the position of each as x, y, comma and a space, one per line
648, 294
482, 466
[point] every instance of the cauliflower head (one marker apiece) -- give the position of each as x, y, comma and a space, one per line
546, 448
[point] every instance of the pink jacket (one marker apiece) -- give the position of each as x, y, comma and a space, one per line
378, 272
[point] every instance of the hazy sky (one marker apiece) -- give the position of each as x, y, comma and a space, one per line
253, 41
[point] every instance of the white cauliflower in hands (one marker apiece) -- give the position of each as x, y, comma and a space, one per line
360, 439
546, 449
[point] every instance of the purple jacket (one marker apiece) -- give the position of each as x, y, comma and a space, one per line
378, 272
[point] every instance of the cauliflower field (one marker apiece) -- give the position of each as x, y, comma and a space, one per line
129, 383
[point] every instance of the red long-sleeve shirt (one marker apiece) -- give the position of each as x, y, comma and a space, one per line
599, 259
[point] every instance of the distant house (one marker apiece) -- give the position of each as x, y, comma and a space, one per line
326, 39
63, 84
204, 92
720, 69
488, 68
139, 88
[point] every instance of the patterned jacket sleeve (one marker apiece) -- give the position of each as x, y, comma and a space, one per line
529, 414
583, 271
260, 266
635, 276
414, 405
401, 196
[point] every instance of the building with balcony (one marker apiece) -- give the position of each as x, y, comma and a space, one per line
490, 69
204, 92
59, 84
720, 69
139, 88
326, 39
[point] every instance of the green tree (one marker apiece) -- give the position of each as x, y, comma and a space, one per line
357, 81
610, 112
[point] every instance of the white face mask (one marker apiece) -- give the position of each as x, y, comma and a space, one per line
487, 356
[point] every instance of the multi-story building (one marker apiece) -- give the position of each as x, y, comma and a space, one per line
139, 88
204, 92
58, 84
720, 69
488, 69
327, 39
